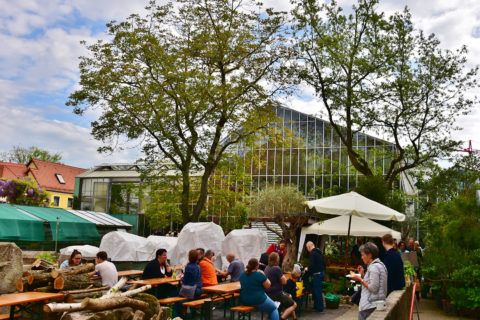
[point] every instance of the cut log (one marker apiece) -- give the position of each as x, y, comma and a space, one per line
86, 290
22, 284
73, 282
40, 264
139, 314
62, 307
116, 288
84, 268
39, 279
114, 314
112, 303
71, 297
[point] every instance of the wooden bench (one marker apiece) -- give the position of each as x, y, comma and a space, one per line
170, 301
197, 304
6, 316
244, 312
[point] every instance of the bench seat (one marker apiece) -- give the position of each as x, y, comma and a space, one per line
6, 316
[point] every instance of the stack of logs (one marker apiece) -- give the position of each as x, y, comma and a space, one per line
81, 292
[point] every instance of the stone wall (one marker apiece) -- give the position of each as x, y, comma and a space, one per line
398, 306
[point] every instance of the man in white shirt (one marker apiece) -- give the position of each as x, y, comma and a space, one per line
105, 269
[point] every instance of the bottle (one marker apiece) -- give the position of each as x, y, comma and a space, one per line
174, 274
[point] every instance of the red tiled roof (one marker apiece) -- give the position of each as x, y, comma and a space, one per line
45, 175
12, 170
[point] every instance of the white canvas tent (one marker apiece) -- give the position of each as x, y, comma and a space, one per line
87, 251
123, 246
154, 243
207, 235
338, 226
245, 244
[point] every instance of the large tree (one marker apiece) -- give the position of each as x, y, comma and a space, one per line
19, 154
377, 73
187, 81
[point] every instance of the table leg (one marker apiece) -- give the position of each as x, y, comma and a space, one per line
12, 312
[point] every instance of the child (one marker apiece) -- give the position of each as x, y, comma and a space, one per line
291, 285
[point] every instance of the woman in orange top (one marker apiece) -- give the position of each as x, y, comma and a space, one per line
209, 274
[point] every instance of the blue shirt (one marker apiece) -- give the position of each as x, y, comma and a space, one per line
252, 292
235, 269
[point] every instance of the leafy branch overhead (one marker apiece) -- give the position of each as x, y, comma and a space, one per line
377, 73
187, 82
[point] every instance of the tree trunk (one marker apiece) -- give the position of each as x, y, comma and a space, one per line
291, 255
88, 267
115, 314
40, 264
73, 282
61, 307
39, 279
112, 303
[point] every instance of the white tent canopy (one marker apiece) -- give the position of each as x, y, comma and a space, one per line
123, 246
354, 204
338, 226
245, 244
87, 251
154, 243
193, 235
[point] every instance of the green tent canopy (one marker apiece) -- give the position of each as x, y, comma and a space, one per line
70, 227
16, 225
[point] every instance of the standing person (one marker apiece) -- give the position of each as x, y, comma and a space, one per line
209, 274
74, 260
105, 269
235, 268
278, 248
277, 281
159, 268
253, 284
374, 281
394, 264
402, 247
316, 269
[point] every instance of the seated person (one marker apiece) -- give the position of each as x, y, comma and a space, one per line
159, 268
191, 282
74, 260
105, 269
278, 280
235, 268
253, 283
209, 274
291, 286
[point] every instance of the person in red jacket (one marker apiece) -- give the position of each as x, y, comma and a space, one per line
278, 248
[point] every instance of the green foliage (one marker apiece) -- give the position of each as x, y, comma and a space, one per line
23, 191
187, 80
452, 253
373, 71
19, 154
52, 258
408, 269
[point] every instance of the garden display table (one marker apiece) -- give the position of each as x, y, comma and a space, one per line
22, 299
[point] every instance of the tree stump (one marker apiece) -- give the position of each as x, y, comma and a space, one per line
153, 305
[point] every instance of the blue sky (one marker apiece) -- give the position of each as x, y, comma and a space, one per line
39, 67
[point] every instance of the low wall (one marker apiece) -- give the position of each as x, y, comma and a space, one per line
398, 306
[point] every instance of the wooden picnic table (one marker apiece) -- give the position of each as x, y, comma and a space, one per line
19, 299
126, 273
229, 287
155, 282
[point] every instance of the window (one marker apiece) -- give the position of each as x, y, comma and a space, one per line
70, 202
60, 178
56, 201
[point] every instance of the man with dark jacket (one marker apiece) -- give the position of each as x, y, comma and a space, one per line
394, 264
316, 269
159, 268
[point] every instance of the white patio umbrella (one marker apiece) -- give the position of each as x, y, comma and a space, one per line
354, 204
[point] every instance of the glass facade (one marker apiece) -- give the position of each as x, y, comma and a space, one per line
310, 156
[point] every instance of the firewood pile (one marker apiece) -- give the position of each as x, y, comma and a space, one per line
86, 299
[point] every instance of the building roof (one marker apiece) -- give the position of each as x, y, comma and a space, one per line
47, 175
12, 170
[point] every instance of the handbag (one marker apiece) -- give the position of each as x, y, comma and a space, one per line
188, 291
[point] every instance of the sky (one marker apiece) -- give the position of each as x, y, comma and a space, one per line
40, 46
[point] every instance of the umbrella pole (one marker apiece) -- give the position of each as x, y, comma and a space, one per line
348, 241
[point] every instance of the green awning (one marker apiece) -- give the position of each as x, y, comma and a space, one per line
16, 225
70, 227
